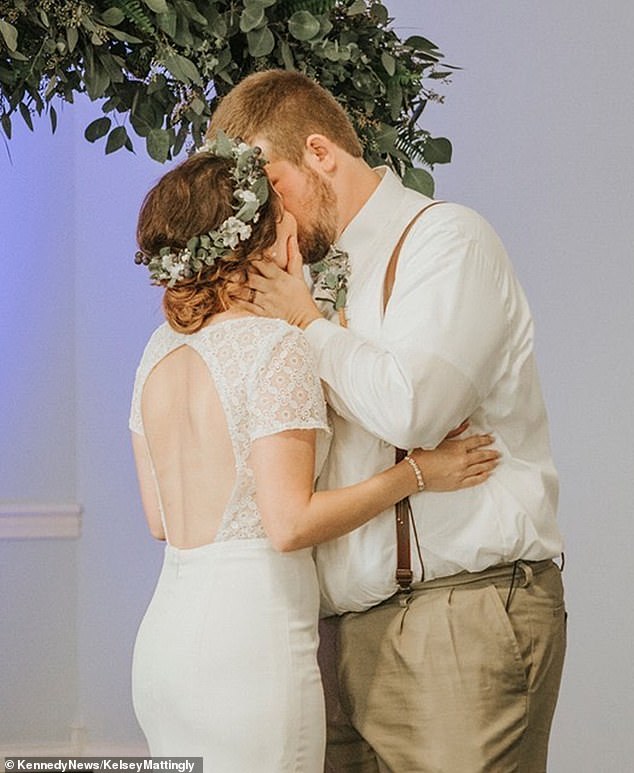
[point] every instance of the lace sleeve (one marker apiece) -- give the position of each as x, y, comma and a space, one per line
158, 345
286, 392
135, 422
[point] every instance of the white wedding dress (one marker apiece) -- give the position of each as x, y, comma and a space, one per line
224, 663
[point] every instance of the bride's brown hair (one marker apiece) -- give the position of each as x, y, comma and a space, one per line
188, 201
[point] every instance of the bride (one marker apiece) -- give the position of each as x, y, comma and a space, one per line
228, 425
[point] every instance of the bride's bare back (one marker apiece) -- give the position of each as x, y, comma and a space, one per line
186, 432
200, 403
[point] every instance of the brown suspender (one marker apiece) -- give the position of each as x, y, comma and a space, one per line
402, 509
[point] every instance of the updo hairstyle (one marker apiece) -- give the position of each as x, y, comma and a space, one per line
188, 201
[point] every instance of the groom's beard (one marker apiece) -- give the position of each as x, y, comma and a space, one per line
317, 226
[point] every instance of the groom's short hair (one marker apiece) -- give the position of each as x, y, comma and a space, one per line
285, 108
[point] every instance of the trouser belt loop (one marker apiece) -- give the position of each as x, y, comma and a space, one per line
528, 574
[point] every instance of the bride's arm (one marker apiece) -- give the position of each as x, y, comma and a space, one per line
295, 517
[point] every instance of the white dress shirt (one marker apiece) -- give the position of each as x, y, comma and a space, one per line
456, 341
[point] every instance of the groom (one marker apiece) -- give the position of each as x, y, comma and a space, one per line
461, 674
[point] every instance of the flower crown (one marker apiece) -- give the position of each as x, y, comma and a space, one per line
251, 191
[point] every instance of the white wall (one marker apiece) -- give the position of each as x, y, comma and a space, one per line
540, 118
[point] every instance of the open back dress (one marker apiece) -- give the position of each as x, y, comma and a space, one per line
224, 664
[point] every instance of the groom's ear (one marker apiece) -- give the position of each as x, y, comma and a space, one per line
321, 153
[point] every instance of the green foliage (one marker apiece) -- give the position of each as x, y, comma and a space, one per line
158, 67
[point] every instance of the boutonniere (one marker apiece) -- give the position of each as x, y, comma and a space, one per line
330, 281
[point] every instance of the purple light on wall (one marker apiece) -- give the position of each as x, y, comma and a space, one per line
36, 313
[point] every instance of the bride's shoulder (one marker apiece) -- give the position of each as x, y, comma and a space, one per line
274, 339
158, 344
261, 328
159, 337
274, 326
278, 331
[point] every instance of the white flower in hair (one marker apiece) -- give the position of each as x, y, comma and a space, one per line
250, 192
246, 196
233, 231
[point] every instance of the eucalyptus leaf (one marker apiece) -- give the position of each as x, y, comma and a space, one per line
179, 142
386, 139
287, 55
72, 36
394, 97
303, 25
357, 8
389, 63
380, 13
158, 145
419, 43
419, 180
197, 105
158, 6
192, 12
251, 17
261, 42
364, 82
116, 139
437, 150
144, 118
111, 67
247, 211
223, 145
53, 118
5, 121
10, 35
97, 81
183, 35
325, 26
167, 22
26, 115
112, 16
158, 83
97, 129
125, 36
182, 68
51, 86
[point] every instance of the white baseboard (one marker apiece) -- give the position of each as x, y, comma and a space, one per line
39, 521
69, 750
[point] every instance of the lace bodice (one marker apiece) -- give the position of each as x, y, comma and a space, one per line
265, 376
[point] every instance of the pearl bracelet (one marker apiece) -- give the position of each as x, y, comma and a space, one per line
417, 472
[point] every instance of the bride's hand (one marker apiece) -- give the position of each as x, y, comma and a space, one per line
457, 463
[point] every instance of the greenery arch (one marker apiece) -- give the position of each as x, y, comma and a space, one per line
159, 66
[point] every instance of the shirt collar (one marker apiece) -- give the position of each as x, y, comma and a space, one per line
389, 208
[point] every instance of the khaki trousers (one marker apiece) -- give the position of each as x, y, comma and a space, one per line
447, 680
